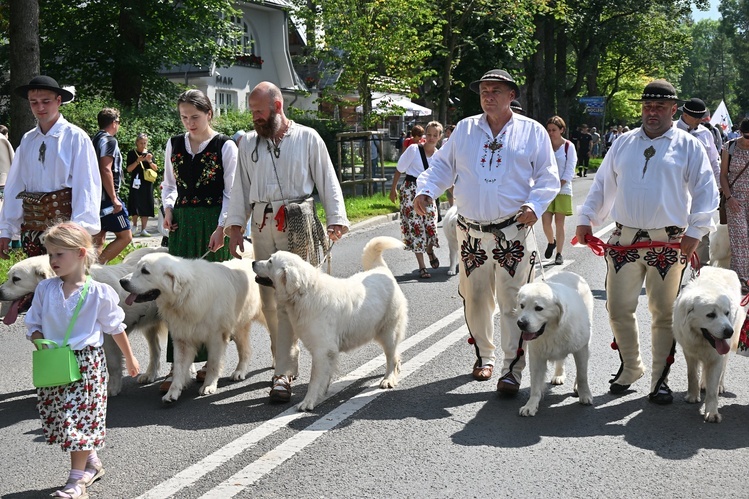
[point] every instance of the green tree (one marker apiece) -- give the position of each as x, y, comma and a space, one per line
710, 73
122, 45
581, 41
496, 33
735, 25
371, 45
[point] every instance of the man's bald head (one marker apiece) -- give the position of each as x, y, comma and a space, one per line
266, 105
269, 91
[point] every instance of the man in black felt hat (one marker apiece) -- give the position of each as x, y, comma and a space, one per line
54, 175
507, 177
692, 113
657, 185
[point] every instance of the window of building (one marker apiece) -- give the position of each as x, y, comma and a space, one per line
225, 100
247, 49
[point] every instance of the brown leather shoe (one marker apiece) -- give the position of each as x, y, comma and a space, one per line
167, 383
508, 385
280, 392
482, 373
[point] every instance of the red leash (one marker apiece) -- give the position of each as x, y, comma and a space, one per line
598, 247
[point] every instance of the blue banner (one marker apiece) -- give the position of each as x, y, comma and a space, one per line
594, 106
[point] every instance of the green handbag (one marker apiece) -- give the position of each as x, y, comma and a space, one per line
56, 365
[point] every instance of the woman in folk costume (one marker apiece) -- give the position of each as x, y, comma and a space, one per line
199, 168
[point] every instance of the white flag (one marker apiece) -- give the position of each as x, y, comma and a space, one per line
722, 118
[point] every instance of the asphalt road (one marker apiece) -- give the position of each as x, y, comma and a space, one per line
438, 434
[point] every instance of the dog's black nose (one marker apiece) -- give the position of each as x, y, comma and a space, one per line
123, 282
727, 333
522, 324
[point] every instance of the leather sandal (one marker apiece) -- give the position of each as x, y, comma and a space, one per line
508, 385
482, 373
423, 274
433, 260
662, 396
617, 389
72, 490
280, 392
167, 383
201, 374
92, 473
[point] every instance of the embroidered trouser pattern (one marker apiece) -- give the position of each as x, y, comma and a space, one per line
493, 271
661, 270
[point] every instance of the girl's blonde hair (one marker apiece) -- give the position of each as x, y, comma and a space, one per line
71, 236
435, 124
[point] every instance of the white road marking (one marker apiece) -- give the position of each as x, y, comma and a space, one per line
276, 457
271, 460
192, 474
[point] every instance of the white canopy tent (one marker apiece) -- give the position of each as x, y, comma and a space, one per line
387, 101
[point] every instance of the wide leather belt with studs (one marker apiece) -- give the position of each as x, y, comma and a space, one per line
42, 210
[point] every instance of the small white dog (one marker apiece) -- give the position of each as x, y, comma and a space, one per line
332, 315
707, 319
203, 303
24, 276
555, 319
450, 227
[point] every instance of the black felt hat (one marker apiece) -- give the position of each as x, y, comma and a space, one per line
43, 82
496, 75
516, 107
658, 90
694, 107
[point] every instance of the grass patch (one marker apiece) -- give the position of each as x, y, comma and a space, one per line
362, 207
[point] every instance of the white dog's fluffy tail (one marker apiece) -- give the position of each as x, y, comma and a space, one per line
372, 256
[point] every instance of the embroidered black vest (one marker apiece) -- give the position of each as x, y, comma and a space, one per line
200, 178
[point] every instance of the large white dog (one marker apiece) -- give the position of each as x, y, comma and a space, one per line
332, 315
24, 276
555, 319
203, 303
707, 320
450, 227
720, 248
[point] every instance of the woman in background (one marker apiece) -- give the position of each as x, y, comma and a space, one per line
140, 202
566, 156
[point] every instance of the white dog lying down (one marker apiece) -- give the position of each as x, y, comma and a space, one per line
707, 320
203, 303
24, 276
555, 319
332, 315
450, 227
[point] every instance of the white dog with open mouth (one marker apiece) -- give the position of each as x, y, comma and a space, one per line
24, 276
555, 320
203, 303
332, 315
707, 320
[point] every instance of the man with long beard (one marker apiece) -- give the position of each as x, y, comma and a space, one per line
280, 163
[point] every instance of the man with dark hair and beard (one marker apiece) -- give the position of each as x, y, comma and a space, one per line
280, 162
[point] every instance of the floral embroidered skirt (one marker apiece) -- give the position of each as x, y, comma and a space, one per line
74, 416
419, 232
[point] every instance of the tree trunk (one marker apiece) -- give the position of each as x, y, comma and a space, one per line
560, 70
127, 81
534, 70
24, 63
